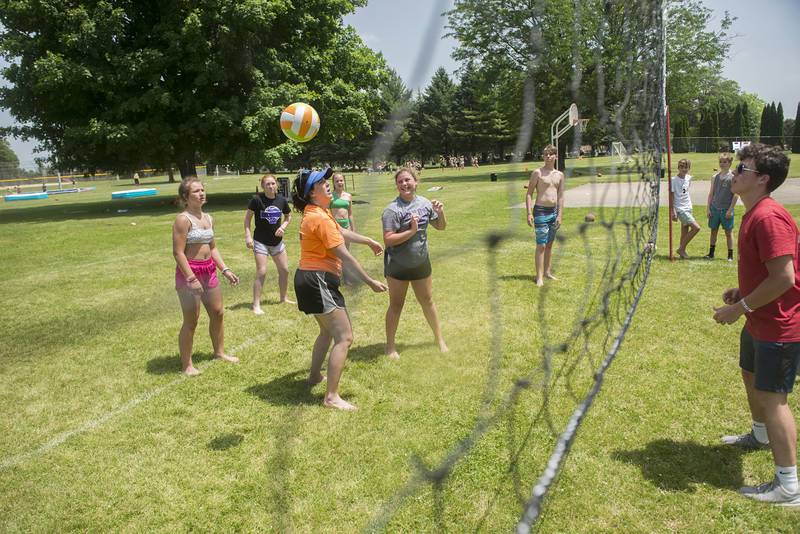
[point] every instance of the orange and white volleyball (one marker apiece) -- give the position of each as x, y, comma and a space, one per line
299, 122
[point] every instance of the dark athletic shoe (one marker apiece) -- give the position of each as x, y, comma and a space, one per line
747, 442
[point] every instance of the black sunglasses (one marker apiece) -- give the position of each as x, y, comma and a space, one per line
740, 168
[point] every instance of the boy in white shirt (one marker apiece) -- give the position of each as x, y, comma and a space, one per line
682, 206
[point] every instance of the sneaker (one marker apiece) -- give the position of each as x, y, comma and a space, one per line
708, 257
773, 493
745, 441
730, 259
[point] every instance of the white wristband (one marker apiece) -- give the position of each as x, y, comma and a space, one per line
747, 308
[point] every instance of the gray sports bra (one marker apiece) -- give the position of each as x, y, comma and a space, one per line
198, 235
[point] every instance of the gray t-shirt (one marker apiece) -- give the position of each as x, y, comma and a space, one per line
397, 218
722, 191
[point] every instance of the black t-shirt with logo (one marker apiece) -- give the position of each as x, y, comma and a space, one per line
268, 213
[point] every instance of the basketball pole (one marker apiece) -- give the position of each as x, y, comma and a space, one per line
669, 186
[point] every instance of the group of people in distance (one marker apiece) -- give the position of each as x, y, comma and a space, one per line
720, 206
326, 232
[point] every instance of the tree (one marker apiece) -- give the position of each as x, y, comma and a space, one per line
796, 134
436, 131
779, 125
9, 162
680, 138
709, 130
118, 85
764, 129
738, 121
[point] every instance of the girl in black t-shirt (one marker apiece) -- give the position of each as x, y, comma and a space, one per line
269, 208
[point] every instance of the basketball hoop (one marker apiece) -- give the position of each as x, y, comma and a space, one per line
573, 114
581, 124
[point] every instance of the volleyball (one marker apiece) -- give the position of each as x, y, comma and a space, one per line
299, 122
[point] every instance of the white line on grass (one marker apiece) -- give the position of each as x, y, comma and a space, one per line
100, 421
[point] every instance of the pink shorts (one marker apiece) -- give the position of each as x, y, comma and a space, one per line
204, 270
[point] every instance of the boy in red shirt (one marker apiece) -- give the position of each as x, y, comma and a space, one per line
769, 297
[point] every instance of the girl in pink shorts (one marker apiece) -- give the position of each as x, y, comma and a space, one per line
196, 281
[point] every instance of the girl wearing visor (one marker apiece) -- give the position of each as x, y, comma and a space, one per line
317, 279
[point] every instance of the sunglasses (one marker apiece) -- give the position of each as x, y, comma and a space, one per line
741, 168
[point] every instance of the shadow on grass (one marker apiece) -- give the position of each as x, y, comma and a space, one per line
288, 390
365, 353
518, 277
225, 442
679, 466
172, 364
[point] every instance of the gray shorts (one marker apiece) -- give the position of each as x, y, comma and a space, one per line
685, 217
268, 250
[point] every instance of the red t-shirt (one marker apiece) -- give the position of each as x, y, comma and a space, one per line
768, 231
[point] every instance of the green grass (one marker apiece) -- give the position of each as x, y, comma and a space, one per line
89, 359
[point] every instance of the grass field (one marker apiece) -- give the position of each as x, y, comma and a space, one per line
100, 432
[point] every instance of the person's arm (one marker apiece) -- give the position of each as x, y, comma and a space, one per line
672, 212
349, 198
729, 213
248, 238
780, 278
560, 200
343, 254
440, 222
392, 239
710, 196
179, 231
359, 239
287, 219
532, 183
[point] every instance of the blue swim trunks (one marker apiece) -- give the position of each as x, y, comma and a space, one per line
718, 218
544, 224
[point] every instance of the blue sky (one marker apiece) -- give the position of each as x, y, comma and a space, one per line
764, 58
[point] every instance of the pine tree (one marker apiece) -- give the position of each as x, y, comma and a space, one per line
738, 122
796, 134
747, 126
779, 125
763, 130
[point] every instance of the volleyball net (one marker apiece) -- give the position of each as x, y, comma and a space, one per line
534, 403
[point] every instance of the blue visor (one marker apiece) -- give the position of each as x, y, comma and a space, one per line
314, 177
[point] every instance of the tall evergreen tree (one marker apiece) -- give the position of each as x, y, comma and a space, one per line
796, 135
680, 139
779, 125
763, 131
738, 122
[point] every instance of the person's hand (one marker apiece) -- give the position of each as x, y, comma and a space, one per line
279, 232
376, 247
415, 222
248, 241
558, 221
530, 220
708, 212
729, 213
376, 286
232, 278
674, 215
728, 314
438, 207
731, 295
196, 286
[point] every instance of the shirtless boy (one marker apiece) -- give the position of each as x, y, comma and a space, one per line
545, 215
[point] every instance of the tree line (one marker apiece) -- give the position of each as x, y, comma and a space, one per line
121, 86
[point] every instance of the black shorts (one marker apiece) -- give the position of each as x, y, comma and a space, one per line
317, 292
773, 364
402, 272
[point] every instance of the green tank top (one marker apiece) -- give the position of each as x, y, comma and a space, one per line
339, 202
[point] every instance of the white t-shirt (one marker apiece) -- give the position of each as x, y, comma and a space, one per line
680, 190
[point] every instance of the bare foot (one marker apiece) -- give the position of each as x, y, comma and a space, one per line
192, 371
393, 355
226, 358
314, 380
550, 276
338, 403
443, 346
682, 254
539, 282
258, 311
287, 301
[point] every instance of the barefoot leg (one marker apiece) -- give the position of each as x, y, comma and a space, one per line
423, 290
337, 324
258, 282
397, 299
282, 264
190, 306
212, 300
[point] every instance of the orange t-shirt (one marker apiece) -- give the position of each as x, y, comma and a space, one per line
319, 233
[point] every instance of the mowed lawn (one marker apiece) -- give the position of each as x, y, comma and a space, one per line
100, 432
